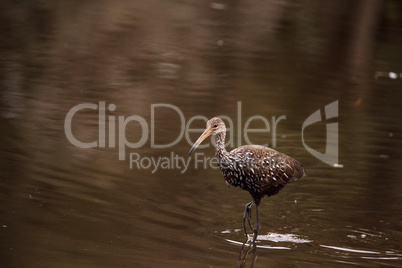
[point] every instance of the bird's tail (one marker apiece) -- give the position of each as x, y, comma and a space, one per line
299, 171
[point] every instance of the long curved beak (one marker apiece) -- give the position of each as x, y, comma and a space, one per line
204, 135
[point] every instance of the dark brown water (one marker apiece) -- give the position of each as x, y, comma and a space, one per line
65, 206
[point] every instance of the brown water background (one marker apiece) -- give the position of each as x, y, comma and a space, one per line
64, 206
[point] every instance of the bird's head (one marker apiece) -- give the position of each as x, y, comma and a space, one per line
214, 125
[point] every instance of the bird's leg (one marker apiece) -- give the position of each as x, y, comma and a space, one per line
247, 213
249, 218
257, 226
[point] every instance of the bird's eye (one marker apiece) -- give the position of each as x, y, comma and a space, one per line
215, 126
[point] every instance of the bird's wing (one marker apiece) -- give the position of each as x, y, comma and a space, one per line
268, 165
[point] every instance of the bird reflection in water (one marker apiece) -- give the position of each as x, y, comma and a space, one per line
247, 252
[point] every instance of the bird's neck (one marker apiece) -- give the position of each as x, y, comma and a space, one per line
220, 151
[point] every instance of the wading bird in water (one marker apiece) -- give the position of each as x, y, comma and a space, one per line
257, 169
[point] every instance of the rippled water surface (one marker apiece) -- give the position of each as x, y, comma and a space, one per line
160, 64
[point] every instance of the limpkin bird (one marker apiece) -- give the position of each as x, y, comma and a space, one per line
257, 169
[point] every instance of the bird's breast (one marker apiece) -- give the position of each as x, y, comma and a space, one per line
237, 177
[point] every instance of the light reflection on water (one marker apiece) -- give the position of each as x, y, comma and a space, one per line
66, 206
